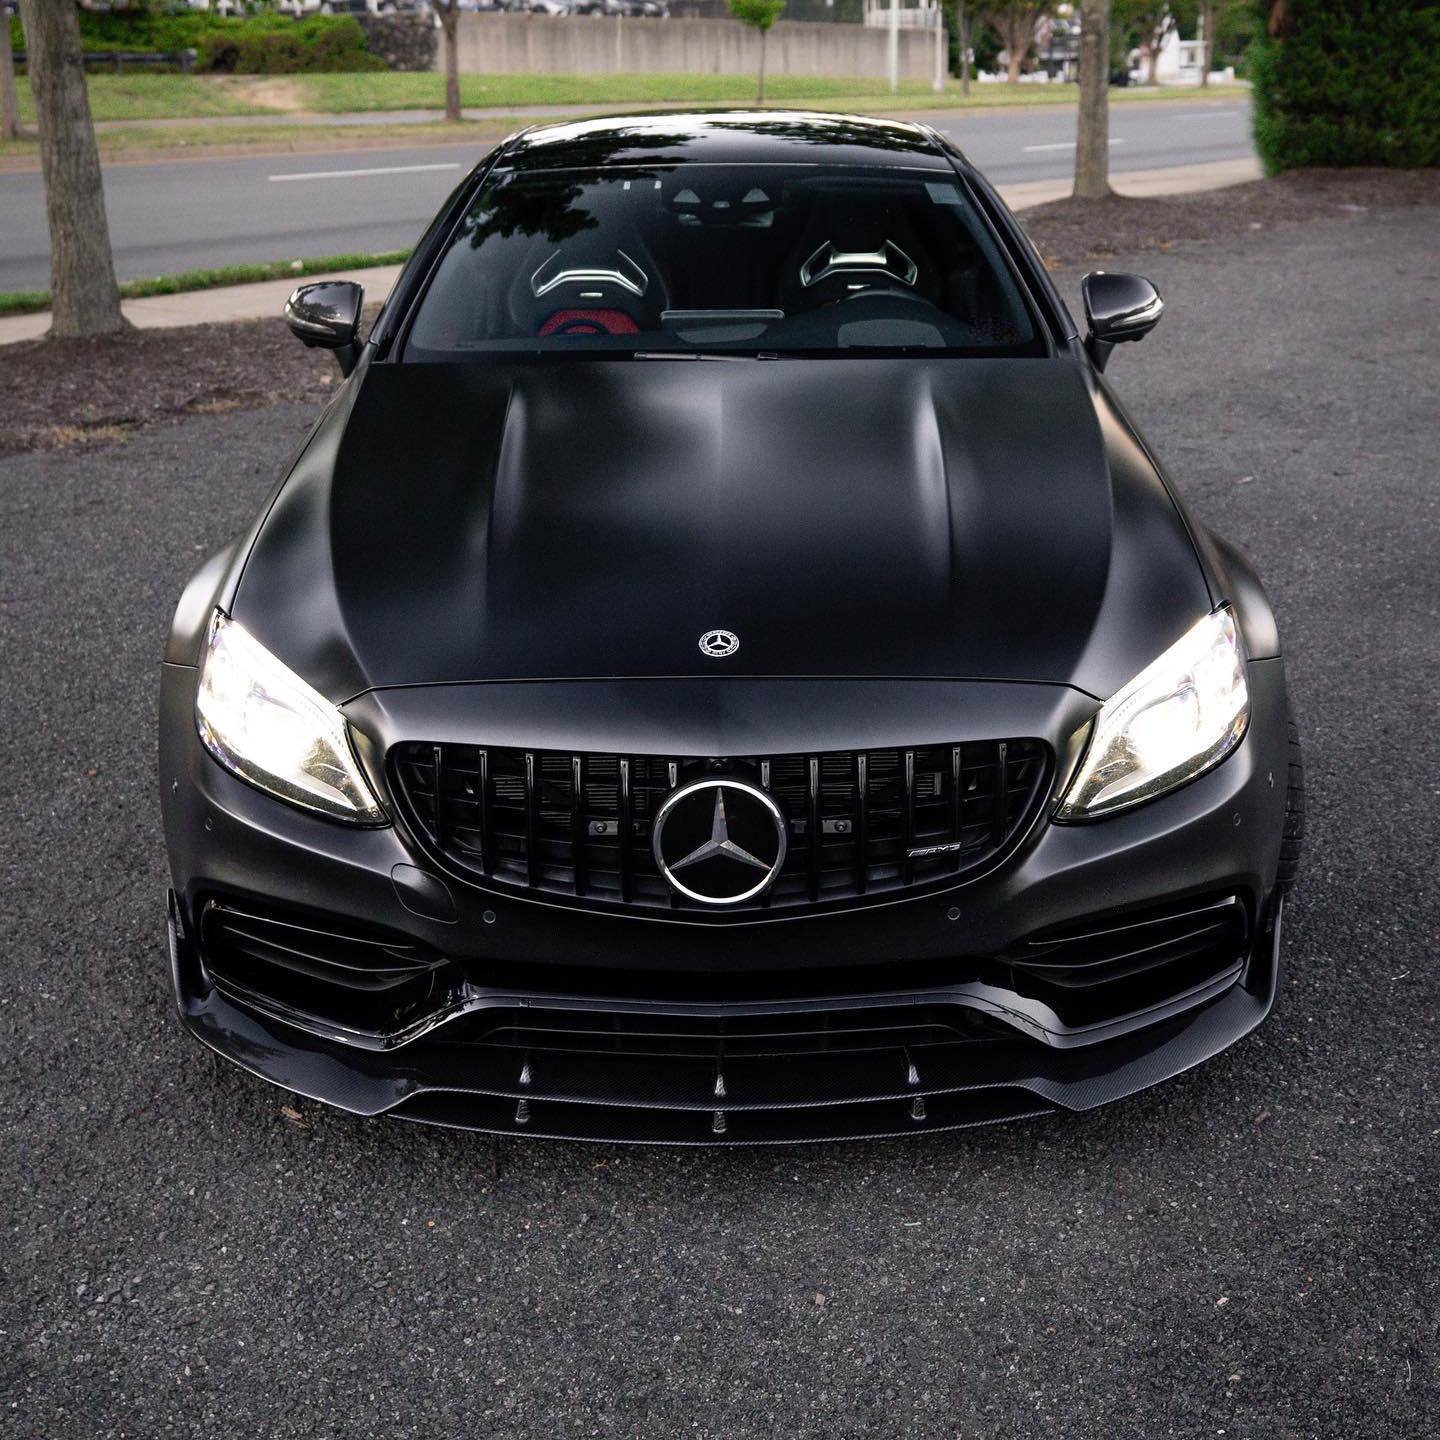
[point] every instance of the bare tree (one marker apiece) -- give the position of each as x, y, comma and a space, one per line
82, 270
1211, 12
449, 13
1015, 22
9, 100
962, 25
758, 15
1092, 136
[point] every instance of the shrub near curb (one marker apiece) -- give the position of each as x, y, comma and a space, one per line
256, 45
1347, 82
323, 43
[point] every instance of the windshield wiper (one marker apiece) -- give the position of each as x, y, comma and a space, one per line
707, 355
689, 355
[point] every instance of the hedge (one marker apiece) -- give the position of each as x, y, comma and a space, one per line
1347, 82
320, 43
255, 45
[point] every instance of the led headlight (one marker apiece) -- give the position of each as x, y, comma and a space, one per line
264, 723
1173, 721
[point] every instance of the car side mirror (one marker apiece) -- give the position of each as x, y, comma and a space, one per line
327, 316
1118, 308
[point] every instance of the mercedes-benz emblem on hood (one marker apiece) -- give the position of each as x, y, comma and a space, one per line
719, 841
717, 644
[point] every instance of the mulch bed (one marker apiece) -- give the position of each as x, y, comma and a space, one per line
66, 394
83, 393
1069, 231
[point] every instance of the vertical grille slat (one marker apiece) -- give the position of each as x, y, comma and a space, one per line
814, 836
957, 794
909, 843
863, 824
627, 830
997, 829
483, 808
578, 837
438, 751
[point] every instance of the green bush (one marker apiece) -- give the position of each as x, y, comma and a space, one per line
255, 45
1348, 82
290, 47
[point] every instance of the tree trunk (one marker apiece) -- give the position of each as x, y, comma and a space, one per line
82, 270
9, 100
1209, 18
962, 20
1013, 58
1152, 63
449, 25
1092, 136
760, 94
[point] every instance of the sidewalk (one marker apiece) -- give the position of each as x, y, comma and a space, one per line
251, 302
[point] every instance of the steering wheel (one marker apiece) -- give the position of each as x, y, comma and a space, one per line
889, 292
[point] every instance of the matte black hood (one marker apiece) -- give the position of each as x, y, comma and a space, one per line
558, 519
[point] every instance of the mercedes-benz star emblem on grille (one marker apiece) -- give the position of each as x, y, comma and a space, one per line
719, 841
717, 644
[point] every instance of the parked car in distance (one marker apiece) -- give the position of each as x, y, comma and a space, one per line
647, 9
725, 669
367, 7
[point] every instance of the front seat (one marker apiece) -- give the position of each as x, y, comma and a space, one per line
826, 264
589, 285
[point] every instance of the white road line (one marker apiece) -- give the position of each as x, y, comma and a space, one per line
1062, 145
1205, 115
378, 170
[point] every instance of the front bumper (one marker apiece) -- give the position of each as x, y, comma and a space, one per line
892, 1018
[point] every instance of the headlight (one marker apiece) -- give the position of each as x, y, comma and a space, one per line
264, 723
1172, 722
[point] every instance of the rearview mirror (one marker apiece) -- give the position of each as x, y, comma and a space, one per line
1118, 308
327, 315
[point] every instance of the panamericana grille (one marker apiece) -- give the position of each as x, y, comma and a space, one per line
860, 823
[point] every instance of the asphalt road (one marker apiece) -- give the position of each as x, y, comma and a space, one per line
1248, 1251
170, 215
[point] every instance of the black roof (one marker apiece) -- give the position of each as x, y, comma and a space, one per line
792, 137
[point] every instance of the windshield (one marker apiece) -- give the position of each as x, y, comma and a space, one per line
718, 259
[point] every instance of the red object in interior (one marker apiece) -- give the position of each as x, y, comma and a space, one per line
590, 322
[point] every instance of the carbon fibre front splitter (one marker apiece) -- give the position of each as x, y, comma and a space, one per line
719, 1099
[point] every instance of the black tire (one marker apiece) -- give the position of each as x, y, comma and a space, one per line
1292, 842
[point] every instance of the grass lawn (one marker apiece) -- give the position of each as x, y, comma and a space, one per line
201, 97
395, 91
164, 141
25, 302
184, 104
336, 94
157, 97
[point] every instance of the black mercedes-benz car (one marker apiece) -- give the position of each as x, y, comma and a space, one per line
725, 669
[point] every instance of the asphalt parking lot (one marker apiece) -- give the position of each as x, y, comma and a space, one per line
1248, 1251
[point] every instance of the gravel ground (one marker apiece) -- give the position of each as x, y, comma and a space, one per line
1247, 1251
